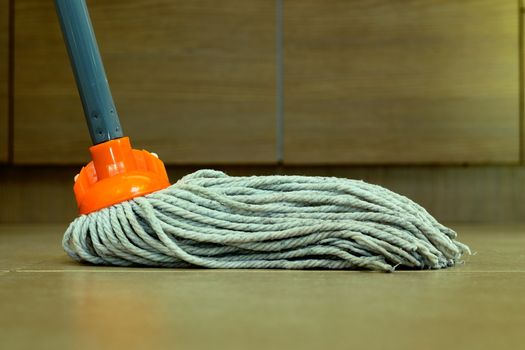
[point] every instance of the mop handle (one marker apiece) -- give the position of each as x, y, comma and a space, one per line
99, 108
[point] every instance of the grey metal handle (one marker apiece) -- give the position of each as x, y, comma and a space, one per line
99, 108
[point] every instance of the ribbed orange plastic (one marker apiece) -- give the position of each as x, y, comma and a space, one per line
117, 173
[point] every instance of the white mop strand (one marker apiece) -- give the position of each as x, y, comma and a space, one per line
210, 219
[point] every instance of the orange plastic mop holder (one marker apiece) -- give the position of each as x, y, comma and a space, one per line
116, 174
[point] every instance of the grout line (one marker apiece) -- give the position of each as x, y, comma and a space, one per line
279, 83
521, 97
11, 83
215, 271
112, 269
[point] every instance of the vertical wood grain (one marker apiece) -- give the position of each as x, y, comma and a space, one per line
193, 81
521, 17
4, 85
451, 194
417, 81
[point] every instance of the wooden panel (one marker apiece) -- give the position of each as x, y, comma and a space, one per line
457, 194
522, 77
4, 68
193, 81
401, 82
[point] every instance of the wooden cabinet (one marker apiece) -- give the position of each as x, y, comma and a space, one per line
4, 69
401, 82
193, 81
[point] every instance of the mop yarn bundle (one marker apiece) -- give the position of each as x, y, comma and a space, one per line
210, 219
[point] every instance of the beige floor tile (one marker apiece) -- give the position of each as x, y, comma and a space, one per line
494, 247
49, 301
239, 309
28, 245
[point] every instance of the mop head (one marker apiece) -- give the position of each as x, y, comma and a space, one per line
210, 219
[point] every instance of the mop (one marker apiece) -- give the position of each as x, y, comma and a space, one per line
130, 215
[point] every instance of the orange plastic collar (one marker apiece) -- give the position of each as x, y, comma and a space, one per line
116, 174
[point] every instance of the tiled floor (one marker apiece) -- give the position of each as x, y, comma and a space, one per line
49, 301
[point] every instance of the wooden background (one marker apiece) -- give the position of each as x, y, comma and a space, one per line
424, 97
192, 80
451, 194
4, 71
401, 82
